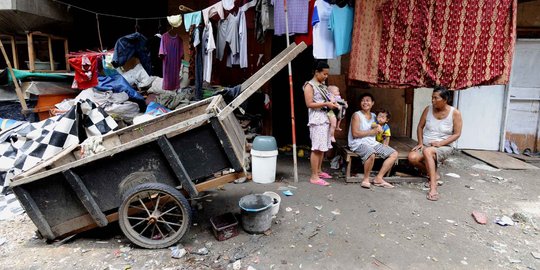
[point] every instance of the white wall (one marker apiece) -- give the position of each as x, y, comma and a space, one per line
482, 110
422, 98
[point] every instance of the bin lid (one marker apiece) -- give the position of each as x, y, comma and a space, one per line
264, 143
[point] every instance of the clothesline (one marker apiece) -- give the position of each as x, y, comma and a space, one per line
88, 53
108, 14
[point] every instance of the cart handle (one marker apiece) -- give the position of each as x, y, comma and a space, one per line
262, 76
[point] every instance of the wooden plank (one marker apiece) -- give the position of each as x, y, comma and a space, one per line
51, 58
213, 107
499, 160
66, 51
262, 79
392, 179
134, 132
219, 181
86, 198
34, 212
31, 52
235, 160
20, 93
268, 65
179, 127
525, 158
41, 166
177, 166
14, 53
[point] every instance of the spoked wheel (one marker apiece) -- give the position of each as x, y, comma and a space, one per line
154, 215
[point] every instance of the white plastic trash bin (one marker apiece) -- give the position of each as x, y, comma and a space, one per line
264, 159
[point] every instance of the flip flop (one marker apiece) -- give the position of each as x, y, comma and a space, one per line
365, 185
319, 182
325, 175
434, 197
384, 185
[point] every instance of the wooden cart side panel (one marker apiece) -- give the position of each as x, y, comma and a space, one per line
159, 124
162, 118
234, 131
174, 128
227, 144
85, 222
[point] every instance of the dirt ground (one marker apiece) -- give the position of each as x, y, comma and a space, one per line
342, 226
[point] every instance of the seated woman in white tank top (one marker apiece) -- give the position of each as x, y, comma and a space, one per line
438, 129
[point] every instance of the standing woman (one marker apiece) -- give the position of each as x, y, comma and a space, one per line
316, 97
438, 129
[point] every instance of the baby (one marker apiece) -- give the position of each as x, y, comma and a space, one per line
383, 116
336, 115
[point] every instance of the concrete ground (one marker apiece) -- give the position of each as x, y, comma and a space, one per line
342, 226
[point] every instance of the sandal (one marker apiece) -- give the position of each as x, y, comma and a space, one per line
319, 182
384, 185
434, 197
366, 185
325, 175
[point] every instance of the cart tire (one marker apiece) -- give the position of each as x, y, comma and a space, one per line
154, 215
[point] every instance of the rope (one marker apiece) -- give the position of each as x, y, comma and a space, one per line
107, 14
99, 33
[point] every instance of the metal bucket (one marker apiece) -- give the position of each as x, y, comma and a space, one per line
256, 212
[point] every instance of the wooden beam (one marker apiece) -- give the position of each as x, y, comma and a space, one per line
31, 52
261, 71
219, 181
86, 198
18, 90
51, 58
183, 126
66, 51
34, 212
267, 74
14, 53
176, 165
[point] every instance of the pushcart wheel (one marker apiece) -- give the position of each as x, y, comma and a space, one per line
154, 215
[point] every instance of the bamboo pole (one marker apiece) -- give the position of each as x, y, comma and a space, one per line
18, 89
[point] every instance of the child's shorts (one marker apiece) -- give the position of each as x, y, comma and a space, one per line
331, 113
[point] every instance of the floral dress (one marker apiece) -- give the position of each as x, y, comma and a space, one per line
318, 123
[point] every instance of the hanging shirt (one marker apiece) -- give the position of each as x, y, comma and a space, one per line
308, 37
296, 14
212, 10
221, 36
341, 23
86, 70
323, 41
171, 51
241, 57
193, 18
209, 45
231, 35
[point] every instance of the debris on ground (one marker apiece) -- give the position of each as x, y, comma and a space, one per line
336, 212
504, 221
287, 193
536, 255
178, 252
485, 167
237, 265
479, 217
455, 175
318, 207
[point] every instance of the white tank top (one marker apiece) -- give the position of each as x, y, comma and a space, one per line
438, 130
364, 125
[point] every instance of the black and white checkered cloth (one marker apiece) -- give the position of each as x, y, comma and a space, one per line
29, 144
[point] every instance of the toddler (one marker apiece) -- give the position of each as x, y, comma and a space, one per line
383, 116
335, 116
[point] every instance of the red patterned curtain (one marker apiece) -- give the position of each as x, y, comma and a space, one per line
423, 43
